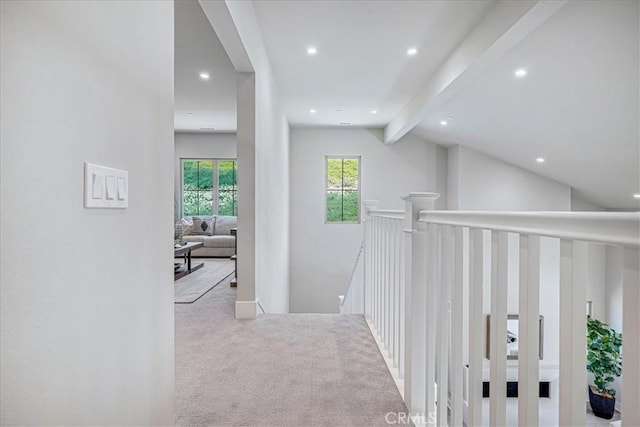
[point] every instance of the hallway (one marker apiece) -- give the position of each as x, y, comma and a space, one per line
277, 370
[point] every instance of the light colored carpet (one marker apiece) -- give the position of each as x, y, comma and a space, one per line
192, 287
277, 370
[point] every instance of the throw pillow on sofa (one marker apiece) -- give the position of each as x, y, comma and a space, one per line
187, 226
203, 226
224, 224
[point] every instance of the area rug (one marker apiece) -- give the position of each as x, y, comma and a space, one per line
193, 286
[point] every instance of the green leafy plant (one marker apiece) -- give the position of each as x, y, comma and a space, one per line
604, 360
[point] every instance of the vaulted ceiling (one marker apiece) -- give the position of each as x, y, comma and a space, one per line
577, 106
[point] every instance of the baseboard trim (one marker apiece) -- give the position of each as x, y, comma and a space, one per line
246, 309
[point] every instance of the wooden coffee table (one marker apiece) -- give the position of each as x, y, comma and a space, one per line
184, 268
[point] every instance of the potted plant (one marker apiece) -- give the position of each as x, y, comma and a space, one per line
605, 363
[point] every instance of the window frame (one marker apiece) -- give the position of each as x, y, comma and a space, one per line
215, 189
326, 192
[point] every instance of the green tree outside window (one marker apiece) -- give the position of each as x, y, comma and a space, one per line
209, 187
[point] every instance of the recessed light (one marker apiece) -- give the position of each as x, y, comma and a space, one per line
345, 123
443, 122
636, 196
207, 129
520, 73
191, 114
205, 76
339, 111
412, 51
374, 111
540, 160
311, 50
312, 111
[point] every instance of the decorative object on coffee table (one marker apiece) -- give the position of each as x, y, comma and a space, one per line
178, 235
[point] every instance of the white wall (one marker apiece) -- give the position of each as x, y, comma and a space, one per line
271, 171
201, 146
272, 198
263, 162
86, 295
486, 183
579, 204
323, 255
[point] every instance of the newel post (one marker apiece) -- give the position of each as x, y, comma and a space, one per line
367, 207
415, 282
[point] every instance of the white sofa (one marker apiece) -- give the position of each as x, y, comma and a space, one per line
215, 235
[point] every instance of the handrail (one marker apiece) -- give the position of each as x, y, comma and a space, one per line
353, 273
387, 213
617, 228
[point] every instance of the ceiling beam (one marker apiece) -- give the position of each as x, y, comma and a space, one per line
220, 17
504, 26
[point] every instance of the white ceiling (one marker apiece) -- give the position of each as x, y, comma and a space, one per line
578, 106
197, 49
362, 62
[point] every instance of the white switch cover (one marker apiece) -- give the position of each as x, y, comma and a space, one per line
97, 186
105, 187
111, 187
122, 189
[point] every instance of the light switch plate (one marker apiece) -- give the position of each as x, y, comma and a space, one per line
105, 187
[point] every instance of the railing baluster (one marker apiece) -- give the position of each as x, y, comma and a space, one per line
396, 286
378, 271
631, 338
418, 320
476, 294
398, 311
457, 332
402, 304
498, 329
433, 281
382, 268
383, 283
389, 284
367, 264
443, 329
392, 306
529, 331
374, 268
573, 341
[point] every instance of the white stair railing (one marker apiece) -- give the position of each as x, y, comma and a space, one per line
352, 302
384, 278
413, 298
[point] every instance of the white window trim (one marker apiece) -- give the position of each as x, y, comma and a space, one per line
324, 187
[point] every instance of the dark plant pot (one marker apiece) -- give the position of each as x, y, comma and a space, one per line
602, 406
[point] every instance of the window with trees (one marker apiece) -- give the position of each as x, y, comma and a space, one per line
209, 187
342, 189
